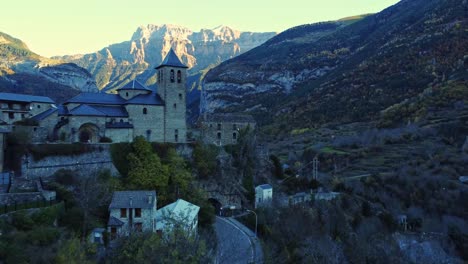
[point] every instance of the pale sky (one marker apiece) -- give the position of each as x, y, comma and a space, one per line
59, 27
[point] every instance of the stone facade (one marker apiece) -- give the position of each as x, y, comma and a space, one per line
224, 129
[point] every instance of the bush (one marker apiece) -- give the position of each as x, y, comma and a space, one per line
105, 140
22, 221
119, 152
204, 159
43, 236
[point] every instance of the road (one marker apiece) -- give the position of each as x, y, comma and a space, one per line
236, 243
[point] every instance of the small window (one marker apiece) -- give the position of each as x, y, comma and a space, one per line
180, 96
123, 212
145, 111
172, 76
126, 94
11, 115
175, 106
121, 120
38, 106
23, 116
219, 135
179, 76
176, 138
35, 129
234, 135
137, 212
219, 126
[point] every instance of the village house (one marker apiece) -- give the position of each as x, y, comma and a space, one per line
132, 211
224, 129
180, 214
16, 107
263, 195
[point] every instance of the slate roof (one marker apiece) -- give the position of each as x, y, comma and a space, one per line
25, 98
45, 114
180, 210
114, 222
172, 60
134, 85
265, 186
146, 99
115, 99
111, 111
139, 199
97, 98
234, 118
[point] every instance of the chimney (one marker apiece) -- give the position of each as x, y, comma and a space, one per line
131, 201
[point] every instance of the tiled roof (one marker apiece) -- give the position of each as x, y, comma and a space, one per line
146, 99
180, 210
97, 98
133, 199
265, 186
45, 114
239, 118
114, 222
134, 85
172, 60
25, 98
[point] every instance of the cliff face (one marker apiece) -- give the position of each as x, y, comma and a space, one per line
23, 71
345, 71
115, 64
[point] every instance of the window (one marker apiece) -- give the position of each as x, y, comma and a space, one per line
234, 127
138, 227
137, 212
145, 111
234, 135
38, 106
23, 116
172, 76
219, 126
179, 76
123, 212
11, 115
35, 129
126, 94
180, 96
176, 138
219, 135
121, 120
175, 106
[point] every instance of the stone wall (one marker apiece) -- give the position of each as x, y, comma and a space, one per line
81, 164
149, 125
222, 133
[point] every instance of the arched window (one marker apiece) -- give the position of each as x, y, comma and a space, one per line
145, 111
234, 136
180, 96
172, 75
38, 106
126, 94
219, 135
179, 76
175, 106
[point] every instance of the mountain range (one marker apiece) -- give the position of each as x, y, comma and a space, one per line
23, 71
345, 71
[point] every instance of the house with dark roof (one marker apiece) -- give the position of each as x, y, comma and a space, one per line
132, 211
224, 129
135, 110
15, 107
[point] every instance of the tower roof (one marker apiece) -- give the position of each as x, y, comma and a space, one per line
172, 60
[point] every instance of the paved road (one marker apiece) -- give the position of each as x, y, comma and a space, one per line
236, 243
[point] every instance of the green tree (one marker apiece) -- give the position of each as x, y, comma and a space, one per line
180, 177
204, 159
72, 252
146, 170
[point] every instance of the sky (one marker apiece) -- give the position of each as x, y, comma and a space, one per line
65, 27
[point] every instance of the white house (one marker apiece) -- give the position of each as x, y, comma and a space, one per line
180, 213
263, 195
132, 211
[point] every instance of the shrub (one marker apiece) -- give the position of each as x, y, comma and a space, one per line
105, 140
22, 221
43, 236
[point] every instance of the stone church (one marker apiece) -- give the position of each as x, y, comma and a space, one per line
134, 110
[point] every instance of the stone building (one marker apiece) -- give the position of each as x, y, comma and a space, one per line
132, 211
224, 129
16, 107
134, 111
